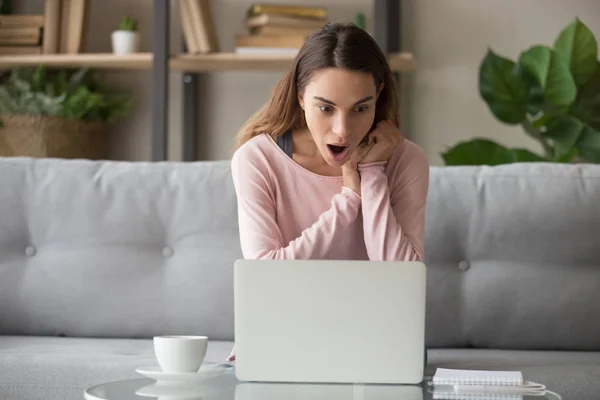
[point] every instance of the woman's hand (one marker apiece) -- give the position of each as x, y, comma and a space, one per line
350, 176
382, 142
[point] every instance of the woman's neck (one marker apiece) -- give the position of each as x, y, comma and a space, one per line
307, 154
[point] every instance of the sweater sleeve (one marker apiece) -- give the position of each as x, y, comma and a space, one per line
394, 212
260, 235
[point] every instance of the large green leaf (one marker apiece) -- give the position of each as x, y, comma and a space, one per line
535, 94
587, 105
502, 89
487, 152
579, 47
589, 144
564, 132
551, 72
571, 135
567, 157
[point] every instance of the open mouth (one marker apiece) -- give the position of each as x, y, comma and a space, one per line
337, 152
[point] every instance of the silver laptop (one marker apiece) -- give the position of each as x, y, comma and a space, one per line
318, 391
329, 321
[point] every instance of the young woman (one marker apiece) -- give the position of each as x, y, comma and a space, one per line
322, 171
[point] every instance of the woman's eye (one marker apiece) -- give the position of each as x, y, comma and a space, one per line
325, 108
361, 109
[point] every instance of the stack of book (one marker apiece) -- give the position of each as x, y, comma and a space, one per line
65, 26
278, 29
197, 26
21, 33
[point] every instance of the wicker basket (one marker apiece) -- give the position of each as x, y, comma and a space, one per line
52, 137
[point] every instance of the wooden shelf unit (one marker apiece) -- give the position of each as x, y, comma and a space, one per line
399, 62
92, 60
229, 61
160, 62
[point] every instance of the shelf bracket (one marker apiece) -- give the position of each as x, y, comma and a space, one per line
386, 24
387, 33
190, 117
160, 80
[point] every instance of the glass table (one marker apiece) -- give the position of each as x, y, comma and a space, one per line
225, 386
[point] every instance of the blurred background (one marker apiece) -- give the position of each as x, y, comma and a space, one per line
441, 104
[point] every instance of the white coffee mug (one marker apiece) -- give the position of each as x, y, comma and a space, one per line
180, 353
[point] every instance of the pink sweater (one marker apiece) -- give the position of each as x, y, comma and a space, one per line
287, 212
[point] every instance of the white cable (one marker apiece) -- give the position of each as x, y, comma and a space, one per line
558, 396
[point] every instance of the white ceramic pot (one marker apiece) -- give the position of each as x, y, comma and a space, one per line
125, 42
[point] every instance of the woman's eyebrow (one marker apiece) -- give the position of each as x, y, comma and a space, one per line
324, 100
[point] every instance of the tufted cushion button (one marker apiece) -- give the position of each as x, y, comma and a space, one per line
30, 251
167, 251
464, 265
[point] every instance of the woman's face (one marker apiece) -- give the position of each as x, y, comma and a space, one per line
339, 107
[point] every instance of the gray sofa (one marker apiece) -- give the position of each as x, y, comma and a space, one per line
97, 257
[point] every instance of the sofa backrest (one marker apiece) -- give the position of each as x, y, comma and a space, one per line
118, 249
513, 255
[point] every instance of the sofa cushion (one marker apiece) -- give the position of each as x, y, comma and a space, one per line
52, 366
89, 248
574, 375
116, 249
513, 257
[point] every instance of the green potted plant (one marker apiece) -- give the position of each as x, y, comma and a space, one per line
553, 93
126, 39
58, 114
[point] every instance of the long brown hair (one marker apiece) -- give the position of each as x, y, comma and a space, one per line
335, 45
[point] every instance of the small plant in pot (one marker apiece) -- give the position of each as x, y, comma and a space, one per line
57, 113
126, 39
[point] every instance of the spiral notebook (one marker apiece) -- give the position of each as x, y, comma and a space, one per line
454, 384
475, 377
476, 396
